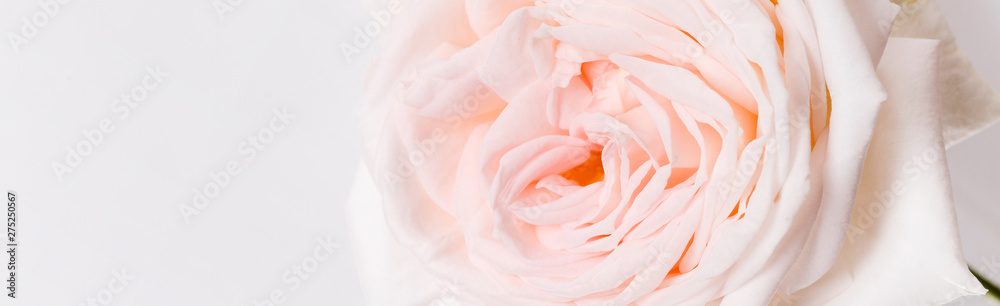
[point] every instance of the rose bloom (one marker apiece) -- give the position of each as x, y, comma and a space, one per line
671, 152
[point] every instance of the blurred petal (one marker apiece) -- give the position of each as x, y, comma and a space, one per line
384, 265
391, 273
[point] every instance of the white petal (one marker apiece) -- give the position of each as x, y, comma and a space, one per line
968, 102
903, 247
874, 22
970, 105
856, 96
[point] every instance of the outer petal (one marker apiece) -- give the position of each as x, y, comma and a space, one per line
968, 102
872, 18
384, 265
969, 106
856, 97
391, 274
903, 247
428, 30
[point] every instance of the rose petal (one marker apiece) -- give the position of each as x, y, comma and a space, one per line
383, 263
903, 248
968, 102
856, 97
873, 19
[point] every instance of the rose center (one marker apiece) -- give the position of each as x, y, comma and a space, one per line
588, 172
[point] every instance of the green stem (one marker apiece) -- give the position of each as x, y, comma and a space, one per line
992, 291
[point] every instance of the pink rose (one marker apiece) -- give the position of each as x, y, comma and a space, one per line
667, 152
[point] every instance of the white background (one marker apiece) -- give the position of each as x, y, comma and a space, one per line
119, 209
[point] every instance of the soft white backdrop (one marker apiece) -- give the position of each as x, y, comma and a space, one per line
120, 208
